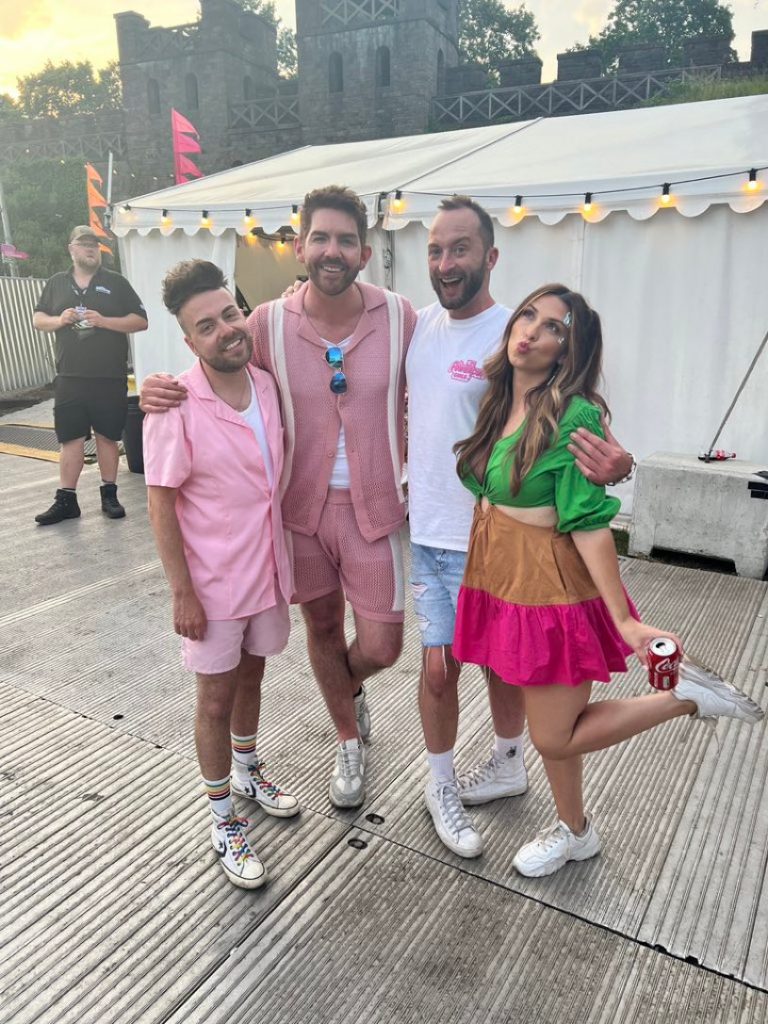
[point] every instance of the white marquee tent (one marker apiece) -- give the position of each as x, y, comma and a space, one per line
682, 288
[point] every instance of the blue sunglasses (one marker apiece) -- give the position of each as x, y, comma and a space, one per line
335, 359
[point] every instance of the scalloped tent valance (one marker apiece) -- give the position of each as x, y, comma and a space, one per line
703, 151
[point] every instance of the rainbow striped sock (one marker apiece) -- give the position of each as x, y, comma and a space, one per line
244, 749
219, 796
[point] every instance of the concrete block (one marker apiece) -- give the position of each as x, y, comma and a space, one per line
578, 64
525, 71
641, 58
465, 78
716, 509
759, 53
704, 51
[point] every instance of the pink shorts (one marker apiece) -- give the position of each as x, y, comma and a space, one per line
263, 634
370, 572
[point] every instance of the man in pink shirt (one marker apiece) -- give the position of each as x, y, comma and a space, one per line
212, 468
336, 349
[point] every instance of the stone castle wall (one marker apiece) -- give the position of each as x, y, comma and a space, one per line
367, 69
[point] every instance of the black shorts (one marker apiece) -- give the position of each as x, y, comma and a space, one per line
84, 403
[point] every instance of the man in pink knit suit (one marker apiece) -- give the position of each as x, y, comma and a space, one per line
336, 349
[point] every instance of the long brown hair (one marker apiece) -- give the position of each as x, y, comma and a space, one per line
577, 373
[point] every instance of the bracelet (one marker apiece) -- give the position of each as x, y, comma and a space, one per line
630, 474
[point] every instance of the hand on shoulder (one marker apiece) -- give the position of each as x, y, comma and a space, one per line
161, 392
601, 459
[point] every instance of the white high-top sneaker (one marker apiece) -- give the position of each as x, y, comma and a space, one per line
712, 695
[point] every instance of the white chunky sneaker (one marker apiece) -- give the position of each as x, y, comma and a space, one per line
553, 848
712, 695
240, 863
452, 823
252, 782
493, 779
363, 716
347, 788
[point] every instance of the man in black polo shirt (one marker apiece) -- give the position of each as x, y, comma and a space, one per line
91, 310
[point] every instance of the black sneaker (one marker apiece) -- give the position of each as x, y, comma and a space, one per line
64, 507
110, 506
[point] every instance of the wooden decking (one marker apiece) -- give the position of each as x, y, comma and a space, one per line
112, 908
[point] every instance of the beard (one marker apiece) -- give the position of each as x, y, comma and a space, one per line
225, 362
469, 284
87, 263
331, 285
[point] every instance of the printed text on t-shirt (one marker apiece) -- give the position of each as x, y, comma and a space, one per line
466, 370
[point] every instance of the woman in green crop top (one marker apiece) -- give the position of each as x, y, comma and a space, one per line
542, 602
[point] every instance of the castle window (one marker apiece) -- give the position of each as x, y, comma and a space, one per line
153, 96
247, 88
382, 67
335, 73
190, 86
440, 73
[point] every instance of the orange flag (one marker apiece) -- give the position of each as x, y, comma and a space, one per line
96, 201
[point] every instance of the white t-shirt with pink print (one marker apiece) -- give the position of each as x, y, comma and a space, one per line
445, 380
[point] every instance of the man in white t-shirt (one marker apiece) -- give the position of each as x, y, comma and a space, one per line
445, 379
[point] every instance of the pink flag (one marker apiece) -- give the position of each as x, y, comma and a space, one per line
179, 123
186, 144
185, 166
185, 140
10, 252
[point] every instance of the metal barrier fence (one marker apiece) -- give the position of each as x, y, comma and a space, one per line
26, 356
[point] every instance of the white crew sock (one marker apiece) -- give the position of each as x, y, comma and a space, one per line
508, 750
441, 766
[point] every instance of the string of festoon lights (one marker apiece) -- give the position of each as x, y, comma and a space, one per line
396, 202
252, 231
751, 183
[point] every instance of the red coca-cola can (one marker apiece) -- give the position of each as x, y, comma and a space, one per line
663, 663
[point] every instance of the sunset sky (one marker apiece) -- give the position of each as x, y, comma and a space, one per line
33, 31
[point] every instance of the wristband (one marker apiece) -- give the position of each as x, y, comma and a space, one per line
630, 474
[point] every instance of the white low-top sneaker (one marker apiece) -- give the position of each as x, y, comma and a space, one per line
452, 823
239, 862
252, 782
493, 779
363, 715
712, 695
347, 788
554, 847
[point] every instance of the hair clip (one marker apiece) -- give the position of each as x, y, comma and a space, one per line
568, 319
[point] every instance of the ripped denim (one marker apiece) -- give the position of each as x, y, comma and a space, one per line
436, 576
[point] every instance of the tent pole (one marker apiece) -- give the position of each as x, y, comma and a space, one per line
747, 375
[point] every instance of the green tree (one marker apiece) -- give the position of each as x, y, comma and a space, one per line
69, 88
666, 23
111, 86
45, 199
287, 54
490, 32
266, 8
9, 109
287, 59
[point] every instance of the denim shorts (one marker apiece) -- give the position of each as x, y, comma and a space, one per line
436, 576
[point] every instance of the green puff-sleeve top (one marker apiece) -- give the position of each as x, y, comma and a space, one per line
554, 478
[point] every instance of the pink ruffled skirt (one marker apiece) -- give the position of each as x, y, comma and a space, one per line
528, 608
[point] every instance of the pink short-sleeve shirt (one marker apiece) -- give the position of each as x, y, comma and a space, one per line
229, 516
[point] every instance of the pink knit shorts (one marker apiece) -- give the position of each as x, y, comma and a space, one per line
369, 572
